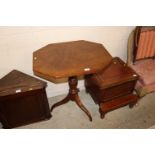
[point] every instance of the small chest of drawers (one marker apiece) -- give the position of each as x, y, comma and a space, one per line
112, 87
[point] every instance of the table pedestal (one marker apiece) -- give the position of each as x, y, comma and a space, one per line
73, 96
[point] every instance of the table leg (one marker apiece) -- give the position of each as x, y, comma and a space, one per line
82, 107
64, 101
73, 96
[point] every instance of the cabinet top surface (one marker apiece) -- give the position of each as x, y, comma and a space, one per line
18, 81
76, 58
116, 73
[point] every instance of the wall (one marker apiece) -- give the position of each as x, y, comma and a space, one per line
18, 43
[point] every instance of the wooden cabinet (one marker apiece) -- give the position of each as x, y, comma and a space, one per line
23, 100
112, 87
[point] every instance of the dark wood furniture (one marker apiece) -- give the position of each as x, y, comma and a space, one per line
23, 100
112, 87
70, 60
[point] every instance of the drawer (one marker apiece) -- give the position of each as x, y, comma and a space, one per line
116, 91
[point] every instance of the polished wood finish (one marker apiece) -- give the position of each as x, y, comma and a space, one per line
129, 99
23, 100
112, 87
73, 96
61, 60
15, 80
116, 73
70, 60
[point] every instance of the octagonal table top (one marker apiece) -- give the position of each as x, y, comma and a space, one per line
76, 58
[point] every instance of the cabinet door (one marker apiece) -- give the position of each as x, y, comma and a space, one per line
23, 108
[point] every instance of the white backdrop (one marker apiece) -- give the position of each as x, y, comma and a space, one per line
18, 43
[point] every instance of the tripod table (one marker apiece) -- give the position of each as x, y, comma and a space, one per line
70, 60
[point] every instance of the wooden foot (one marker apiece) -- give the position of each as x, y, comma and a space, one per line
64, 101
4, 121
102, 114
73, 96
131, 105
86, 90
82, 107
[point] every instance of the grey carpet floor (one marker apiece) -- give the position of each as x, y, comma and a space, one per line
69, 116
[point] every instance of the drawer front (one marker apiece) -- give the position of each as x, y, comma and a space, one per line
116, 91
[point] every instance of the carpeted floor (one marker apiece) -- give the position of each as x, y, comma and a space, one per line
69, 116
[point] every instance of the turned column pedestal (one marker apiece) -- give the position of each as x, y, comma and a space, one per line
73, 96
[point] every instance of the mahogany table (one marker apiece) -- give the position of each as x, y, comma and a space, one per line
70, 60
